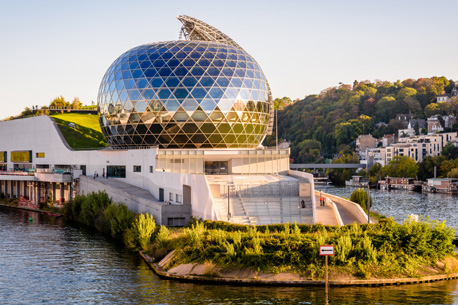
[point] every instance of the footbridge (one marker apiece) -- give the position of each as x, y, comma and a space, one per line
327, 165
338, 211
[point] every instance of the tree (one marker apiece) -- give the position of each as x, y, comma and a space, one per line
450, 151
359, 196
76, 104
338, 176
432, 109
426, 167
59, 102
401, 166
406, 92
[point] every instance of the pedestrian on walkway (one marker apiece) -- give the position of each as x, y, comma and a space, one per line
321, 199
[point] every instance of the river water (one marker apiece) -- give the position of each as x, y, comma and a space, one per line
46, 261
400, 204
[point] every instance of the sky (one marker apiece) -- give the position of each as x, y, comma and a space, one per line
52, 48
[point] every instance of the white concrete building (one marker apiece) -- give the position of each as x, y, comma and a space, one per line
172, 184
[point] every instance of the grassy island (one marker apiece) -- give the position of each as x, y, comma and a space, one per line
383, 250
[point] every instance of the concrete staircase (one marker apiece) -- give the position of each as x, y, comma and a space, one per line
261, 203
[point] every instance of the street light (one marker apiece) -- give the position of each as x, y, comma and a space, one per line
368, 202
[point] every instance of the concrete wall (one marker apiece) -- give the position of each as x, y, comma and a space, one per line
135, 203
354, 208
309, 177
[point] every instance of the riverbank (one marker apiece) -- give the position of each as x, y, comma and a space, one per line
26, 208
283, 253
207, 273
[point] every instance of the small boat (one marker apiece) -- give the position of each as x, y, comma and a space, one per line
441, 185
396, 183
357, 181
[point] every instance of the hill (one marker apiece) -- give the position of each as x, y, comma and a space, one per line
322, 125
82, 131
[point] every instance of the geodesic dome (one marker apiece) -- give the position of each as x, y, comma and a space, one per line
184, 94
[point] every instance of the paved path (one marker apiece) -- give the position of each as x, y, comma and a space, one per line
325, 214
128, 188
346, 215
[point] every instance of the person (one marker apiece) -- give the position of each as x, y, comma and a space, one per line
303, 203
321, 199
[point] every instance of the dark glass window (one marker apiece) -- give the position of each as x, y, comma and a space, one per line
116, 171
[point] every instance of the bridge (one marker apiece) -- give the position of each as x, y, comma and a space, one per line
327, 166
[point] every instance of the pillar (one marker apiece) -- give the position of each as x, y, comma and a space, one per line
53, 192
62, 192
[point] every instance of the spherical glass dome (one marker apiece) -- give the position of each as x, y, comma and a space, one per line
184, 94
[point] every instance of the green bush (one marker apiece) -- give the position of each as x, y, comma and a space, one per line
359, 196
145, 226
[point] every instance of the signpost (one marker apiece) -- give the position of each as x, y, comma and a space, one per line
326, 251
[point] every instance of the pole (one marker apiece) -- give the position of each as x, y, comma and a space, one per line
368, 205
326, 276
228, 204
276, 137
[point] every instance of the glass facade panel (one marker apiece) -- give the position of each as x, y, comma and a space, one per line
116, 171
191, 82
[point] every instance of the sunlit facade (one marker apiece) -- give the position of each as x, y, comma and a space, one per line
185, 94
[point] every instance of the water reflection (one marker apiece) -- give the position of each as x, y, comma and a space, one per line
48, 261
400, 204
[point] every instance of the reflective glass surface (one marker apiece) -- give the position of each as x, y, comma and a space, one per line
184, 94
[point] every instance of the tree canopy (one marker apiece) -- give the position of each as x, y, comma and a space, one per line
338, 115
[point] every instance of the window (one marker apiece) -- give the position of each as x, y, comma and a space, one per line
170, 197
40, 155
137, 168
116, 171
176, 222
151, 169
178, 198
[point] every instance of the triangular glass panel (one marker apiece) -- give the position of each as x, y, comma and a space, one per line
180, 116
134, 118
155, 105
172, 105
181, 71
148, 117
208, 105
215, 93
207, 81
189, 104
216, 116
181, 93
199, 116
225, 105
189, 81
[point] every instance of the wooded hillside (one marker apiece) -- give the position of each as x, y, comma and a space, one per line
324, 124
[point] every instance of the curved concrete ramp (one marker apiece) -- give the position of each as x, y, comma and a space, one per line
349, 212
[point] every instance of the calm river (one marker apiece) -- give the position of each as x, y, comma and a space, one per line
400, 204
49, 262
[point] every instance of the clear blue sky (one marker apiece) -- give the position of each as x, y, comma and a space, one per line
52, 48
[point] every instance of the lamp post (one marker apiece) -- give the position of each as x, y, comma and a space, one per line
276, 137
368, 205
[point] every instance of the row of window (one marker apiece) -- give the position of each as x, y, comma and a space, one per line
138, 169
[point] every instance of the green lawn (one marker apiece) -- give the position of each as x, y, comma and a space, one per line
86, 134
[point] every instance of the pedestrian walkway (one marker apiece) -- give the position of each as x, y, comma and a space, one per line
346, 215
129, 189
325, 214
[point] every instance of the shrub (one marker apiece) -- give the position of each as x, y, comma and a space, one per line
359, 196
144, 227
